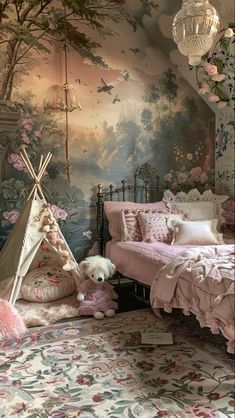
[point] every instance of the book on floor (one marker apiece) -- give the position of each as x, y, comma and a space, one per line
147, 339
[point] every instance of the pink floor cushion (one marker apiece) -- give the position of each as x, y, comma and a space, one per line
11, 323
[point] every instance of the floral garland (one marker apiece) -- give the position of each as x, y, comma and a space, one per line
215, 74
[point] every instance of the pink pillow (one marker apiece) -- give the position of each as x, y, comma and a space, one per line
131, 221
113, 211
158, 227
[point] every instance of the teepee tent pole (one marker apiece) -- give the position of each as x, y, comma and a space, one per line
44, 165
12, 295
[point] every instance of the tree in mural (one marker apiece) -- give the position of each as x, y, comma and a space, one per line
187, 164
35, 25
168, 86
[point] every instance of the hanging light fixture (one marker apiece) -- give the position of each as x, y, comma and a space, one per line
64, 98
194, 29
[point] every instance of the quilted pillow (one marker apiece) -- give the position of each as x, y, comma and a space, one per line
157, 226
196, 233
131, 229
113, 211
46, 284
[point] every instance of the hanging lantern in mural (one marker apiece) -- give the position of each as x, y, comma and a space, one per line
59, 96
194, 29
64, 97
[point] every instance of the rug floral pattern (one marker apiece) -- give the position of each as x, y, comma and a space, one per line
81, 369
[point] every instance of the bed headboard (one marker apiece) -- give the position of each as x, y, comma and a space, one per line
145, 188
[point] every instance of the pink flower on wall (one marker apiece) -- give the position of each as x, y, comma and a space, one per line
17, 162
58, 212
203, 178
11, 216
181, 177
27, 124
211, 69
189, 156
213, 98
168, 177
196, 173
37, 134
25, 138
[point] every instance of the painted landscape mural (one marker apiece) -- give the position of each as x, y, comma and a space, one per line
135, 108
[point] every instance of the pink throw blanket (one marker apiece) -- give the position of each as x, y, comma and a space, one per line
200, 280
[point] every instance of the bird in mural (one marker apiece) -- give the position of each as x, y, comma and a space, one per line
78, 81
122, 51
116, 99
125, 74
104, 88
135, 51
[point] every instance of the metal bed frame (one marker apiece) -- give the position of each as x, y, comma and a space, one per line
144, 189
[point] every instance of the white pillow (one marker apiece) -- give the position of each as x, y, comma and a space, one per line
196, 211
196, 233
46, 284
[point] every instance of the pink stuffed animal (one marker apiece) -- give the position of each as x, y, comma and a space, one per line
95, 294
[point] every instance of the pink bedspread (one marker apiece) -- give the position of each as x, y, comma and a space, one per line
200, 280
140, 260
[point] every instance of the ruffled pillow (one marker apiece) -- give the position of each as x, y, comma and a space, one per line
158, 226
46, 284
196, 233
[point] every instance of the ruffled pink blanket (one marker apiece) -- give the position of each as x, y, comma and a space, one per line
200, 280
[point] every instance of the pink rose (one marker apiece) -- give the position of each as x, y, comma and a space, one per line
213, 98
58, 212
203, 178
25, 138
202, 90
168, 177
37, 134
17, 162
27, 124
189, 156
11, 216
211, 69
218, 77
181, 177
195, 173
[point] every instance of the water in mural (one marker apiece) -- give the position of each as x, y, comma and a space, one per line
135, 108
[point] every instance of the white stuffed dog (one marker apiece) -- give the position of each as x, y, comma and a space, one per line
96, 295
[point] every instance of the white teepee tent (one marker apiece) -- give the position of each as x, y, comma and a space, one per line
36, 226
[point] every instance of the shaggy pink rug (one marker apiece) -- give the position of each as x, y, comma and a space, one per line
11, 323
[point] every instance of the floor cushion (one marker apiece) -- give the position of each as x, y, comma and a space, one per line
46, 284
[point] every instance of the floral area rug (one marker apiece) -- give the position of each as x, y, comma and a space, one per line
82, 369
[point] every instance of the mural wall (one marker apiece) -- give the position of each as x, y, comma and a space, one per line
225, 142
135, 108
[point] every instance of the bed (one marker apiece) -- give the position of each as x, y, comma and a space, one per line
198, 279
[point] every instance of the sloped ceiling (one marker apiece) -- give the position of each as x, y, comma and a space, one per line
160, 33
